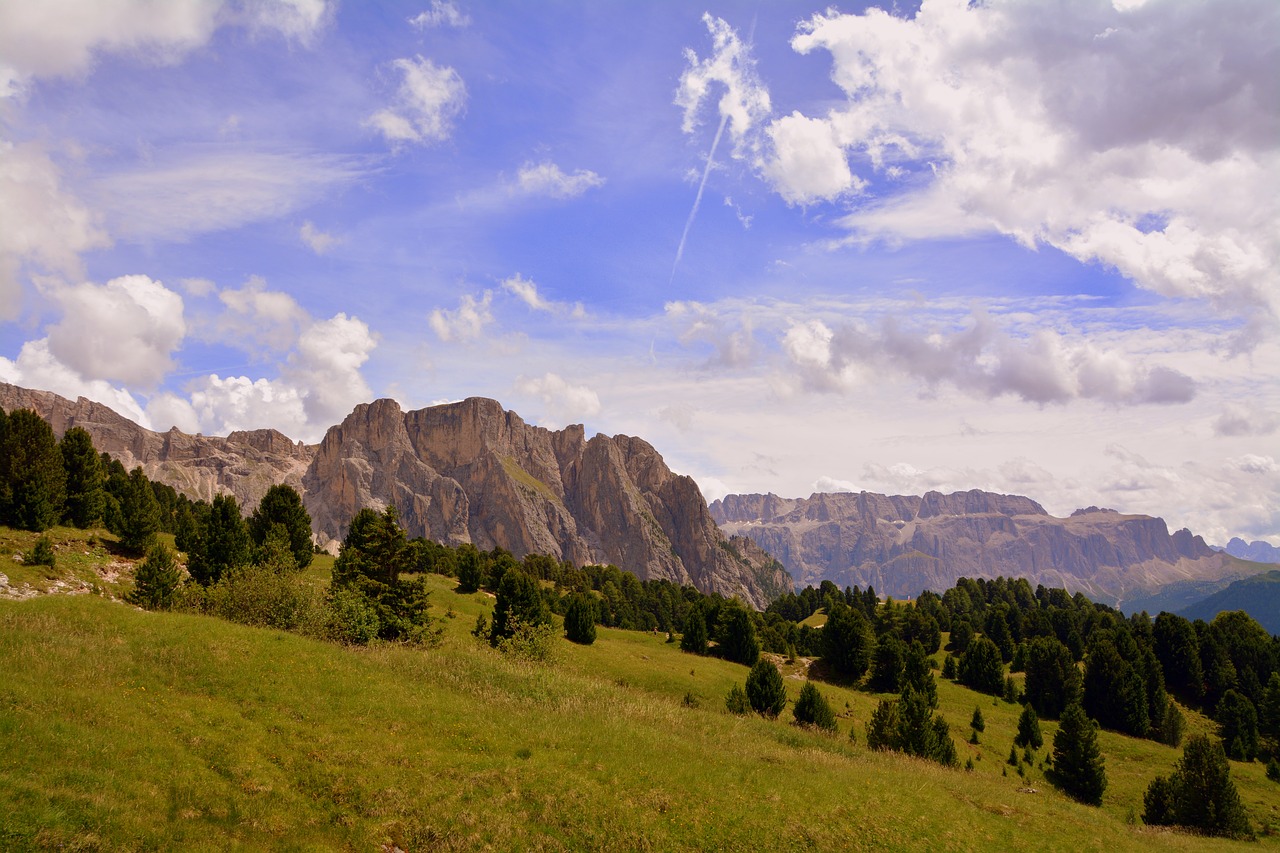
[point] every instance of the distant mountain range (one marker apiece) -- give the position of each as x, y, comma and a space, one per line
1258, 552
463, 472
903, 544
1259, 596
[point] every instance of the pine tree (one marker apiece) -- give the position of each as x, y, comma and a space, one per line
978, 723
580, 619
736, 634
1238, 720
1200, 794
887, 665
85, 479
1078, 767
737, 701
470, 571
223, 542
694, 638
33, 482
519, 603
1029, 729
949, 671
765, 690
1269, 711
139, 514
981, 667
847, 641
812, 709
282, 505
155, 580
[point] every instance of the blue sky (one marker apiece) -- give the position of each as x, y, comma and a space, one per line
1016, 246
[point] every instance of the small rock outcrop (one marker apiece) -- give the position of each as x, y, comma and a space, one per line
903, 544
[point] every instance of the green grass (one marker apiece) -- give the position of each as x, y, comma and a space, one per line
127, 730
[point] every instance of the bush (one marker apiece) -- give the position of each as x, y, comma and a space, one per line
252, 595
736, 701
534, 642
765, 690
812, 709
41, 554
350, 617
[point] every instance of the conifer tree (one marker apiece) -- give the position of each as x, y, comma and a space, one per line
155, 580
765, 690
282, 505
736, 634
33, 482
1029, 729
470, 572
694, 638
981, 667
519, 602
1238, 720
223, 542
812, 709
1199, 795
1078, 767
580, 619
1269, 711
847, 641
85, 478
978, 723
737, 701
139, 513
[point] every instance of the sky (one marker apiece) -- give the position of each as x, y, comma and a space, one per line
1030, 247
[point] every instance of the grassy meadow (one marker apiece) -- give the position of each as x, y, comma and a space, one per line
128, 730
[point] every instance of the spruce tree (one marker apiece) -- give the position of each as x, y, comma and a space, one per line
139, 514
1029, 729
282, 505
694, 638
765, 690
978, 723
736, 701
847, 641
155, 580
1269, 711
1078, 767
812, 709
887, 665
981, 667
519, 603
33, 482
470, 571
736, 634
1199, 795
1238, 721
580, 619
223, 542
85, 479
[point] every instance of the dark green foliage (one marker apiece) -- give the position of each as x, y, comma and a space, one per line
86, 497
949, 670
1052, 678
765, 689
1172, 726
1238, 723
33, 482
978, 724
961, 636
694, 638
282, 505
1010, 692
997, 631
1028, 729
580, 619
908, 725
737, 701
812, 709
1199, 795
1178, 651
918, 675
1269, 711
221, 543
41, 554
1114, 690
470, 571
372, 558
1273, 770
847, 641
736, 634
981, 667
519, 603
886, 668
155, 580
1078, 767
139, 516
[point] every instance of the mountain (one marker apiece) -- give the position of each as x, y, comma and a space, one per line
1257, 595
1257, 552
464, 472
904, 544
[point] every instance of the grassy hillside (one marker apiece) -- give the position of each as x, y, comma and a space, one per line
128, 730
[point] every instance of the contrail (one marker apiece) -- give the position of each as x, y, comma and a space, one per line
697, 200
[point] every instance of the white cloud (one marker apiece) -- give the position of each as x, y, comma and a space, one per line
1085, 127
1238, 420
430, 97
527, 292
221, 406
546, 178
259, 319
730, 69
327, 367
732, 338
125, 330
37, 367
295, 19
40, 222
319, 241
565, 402
443, 13
466, 322
166, 410
193, 192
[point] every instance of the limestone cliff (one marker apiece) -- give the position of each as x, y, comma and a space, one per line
244, 464
904, 544
473, 472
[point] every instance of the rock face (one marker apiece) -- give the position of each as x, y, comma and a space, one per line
472, 472
1258, 551
465, 472
904, 544
244, 464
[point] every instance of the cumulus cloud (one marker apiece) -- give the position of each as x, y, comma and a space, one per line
1237, 420
443, 13
37, 367
327, 365
318, 241
125, 330
564, 401
429, 99
41, 224
546, 178
1086, 126
980, 359
464, 323
258, 319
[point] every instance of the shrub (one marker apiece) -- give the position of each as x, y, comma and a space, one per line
534, 642
41, 554
765, 690
736, 701
812, 709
